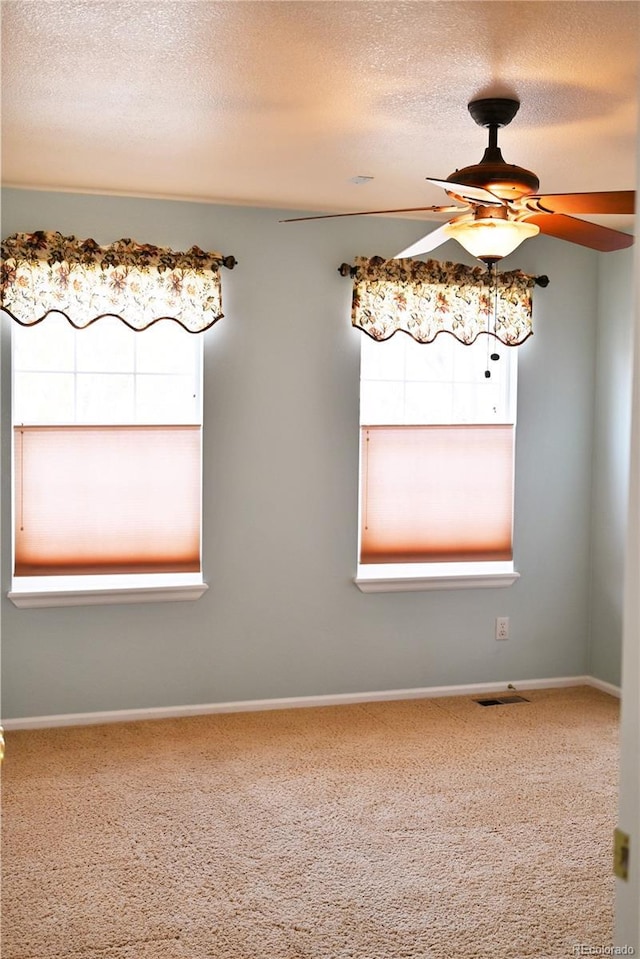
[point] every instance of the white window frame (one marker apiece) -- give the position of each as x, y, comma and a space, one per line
106, 589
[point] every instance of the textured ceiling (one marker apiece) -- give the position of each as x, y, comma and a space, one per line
281, 104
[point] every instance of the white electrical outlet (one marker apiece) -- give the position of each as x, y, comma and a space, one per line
502, 627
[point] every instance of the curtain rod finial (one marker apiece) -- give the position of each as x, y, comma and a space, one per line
345, 269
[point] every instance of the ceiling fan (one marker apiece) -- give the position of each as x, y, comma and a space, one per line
497, 204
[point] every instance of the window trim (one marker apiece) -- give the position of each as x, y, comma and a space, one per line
105, 590
368, 582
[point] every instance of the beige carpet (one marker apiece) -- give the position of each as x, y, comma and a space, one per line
425, 828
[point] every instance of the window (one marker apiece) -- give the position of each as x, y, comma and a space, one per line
107, 421
107, 461
436, 464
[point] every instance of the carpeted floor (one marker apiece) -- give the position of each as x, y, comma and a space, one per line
401, 830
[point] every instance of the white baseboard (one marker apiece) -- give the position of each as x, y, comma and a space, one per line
298, 702
604, 687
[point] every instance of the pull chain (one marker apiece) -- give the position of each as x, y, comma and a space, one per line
493, 296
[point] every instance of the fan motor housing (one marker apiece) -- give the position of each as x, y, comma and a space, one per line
506, 180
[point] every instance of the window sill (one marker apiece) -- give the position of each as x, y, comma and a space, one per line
43, 592
418, 577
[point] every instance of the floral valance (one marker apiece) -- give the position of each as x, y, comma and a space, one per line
44, 272
424, 299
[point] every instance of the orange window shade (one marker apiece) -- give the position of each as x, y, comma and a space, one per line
434, 494
111, 499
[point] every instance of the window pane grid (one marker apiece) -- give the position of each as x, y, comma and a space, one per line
450, 376
163, 374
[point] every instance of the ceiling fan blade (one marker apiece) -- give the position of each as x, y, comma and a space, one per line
426, 244
580, 231
471, 193
408, 209
613, 201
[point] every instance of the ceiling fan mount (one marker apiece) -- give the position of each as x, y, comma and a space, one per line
493, 111
505, 180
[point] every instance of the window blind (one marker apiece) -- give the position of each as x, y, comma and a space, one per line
436, 493
77, 511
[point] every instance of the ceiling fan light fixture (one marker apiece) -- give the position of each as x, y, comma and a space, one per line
489, 238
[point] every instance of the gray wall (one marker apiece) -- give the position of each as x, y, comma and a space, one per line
610, 469
282, 616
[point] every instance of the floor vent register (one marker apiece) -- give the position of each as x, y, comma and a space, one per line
502, 701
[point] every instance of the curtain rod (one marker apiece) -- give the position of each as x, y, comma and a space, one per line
345, 269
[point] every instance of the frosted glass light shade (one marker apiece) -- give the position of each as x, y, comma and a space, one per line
491, 239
